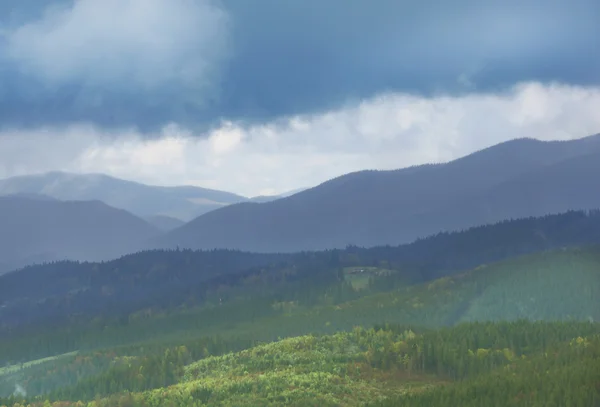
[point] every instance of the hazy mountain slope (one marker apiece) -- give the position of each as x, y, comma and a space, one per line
43, 230
386, 207
183, 202
269, 198
553, 285
164, 223
31, 195
171, 278
569, 184
556, 188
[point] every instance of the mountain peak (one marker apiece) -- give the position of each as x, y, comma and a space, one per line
368, 208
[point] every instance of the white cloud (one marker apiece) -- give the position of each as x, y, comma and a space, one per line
226, 139
390, 131
142, 43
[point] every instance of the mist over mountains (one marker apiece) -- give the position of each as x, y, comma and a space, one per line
60, 216
60, 308
183, 202
156, 248
147, 201
166, 278
519, 178
43, 230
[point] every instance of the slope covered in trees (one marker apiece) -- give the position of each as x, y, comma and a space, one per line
498, 364
454, 314
166, 279
560, 285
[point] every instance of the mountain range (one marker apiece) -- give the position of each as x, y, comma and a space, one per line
151, 202
518, 178
60, 216
159, 326
182, 202
161, 278
37, 230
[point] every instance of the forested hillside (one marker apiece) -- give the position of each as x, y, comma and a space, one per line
166, 279
558, 285
443, 251
517, 364
160, 327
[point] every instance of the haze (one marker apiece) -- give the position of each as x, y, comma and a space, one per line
265, 98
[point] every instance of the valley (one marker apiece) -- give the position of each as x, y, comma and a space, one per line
331, 329
424, 323
225, 203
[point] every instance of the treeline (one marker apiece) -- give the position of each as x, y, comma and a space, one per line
252, 305
157, 278
65, 292
126, 368
557, 285
446, 252
492, 364
470, 349
558, 375
571, 380
153, 368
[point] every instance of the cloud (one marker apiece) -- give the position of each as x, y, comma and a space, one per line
391, 130
141, 43
94, 55
148, 63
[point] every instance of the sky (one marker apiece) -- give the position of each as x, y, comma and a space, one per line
265, 96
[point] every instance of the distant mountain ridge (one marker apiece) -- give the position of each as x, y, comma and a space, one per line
370, 208
181, 202
147, 201
515, 179
42, 230
269, 198
171, 278
164, 223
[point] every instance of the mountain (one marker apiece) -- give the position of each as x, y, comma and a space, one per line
150, 327
182, 202
162, 278
34, 196
164, 223
523, 177
42, 230
5, 267
269, 198
448, 319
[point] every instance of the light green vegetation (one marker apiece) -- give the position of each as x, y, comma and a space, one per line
16, 368
554, 285
341, 368
306, 370
521, 362
559, 285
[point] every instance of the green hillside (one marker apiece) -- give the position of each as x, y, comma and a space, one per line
233, 355
505, 363
556, 285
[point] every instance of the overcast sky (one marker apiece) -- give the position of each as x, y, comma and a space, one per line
264, 96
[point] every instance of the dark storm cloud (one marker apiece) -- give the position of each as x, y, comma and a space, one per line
145, 63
